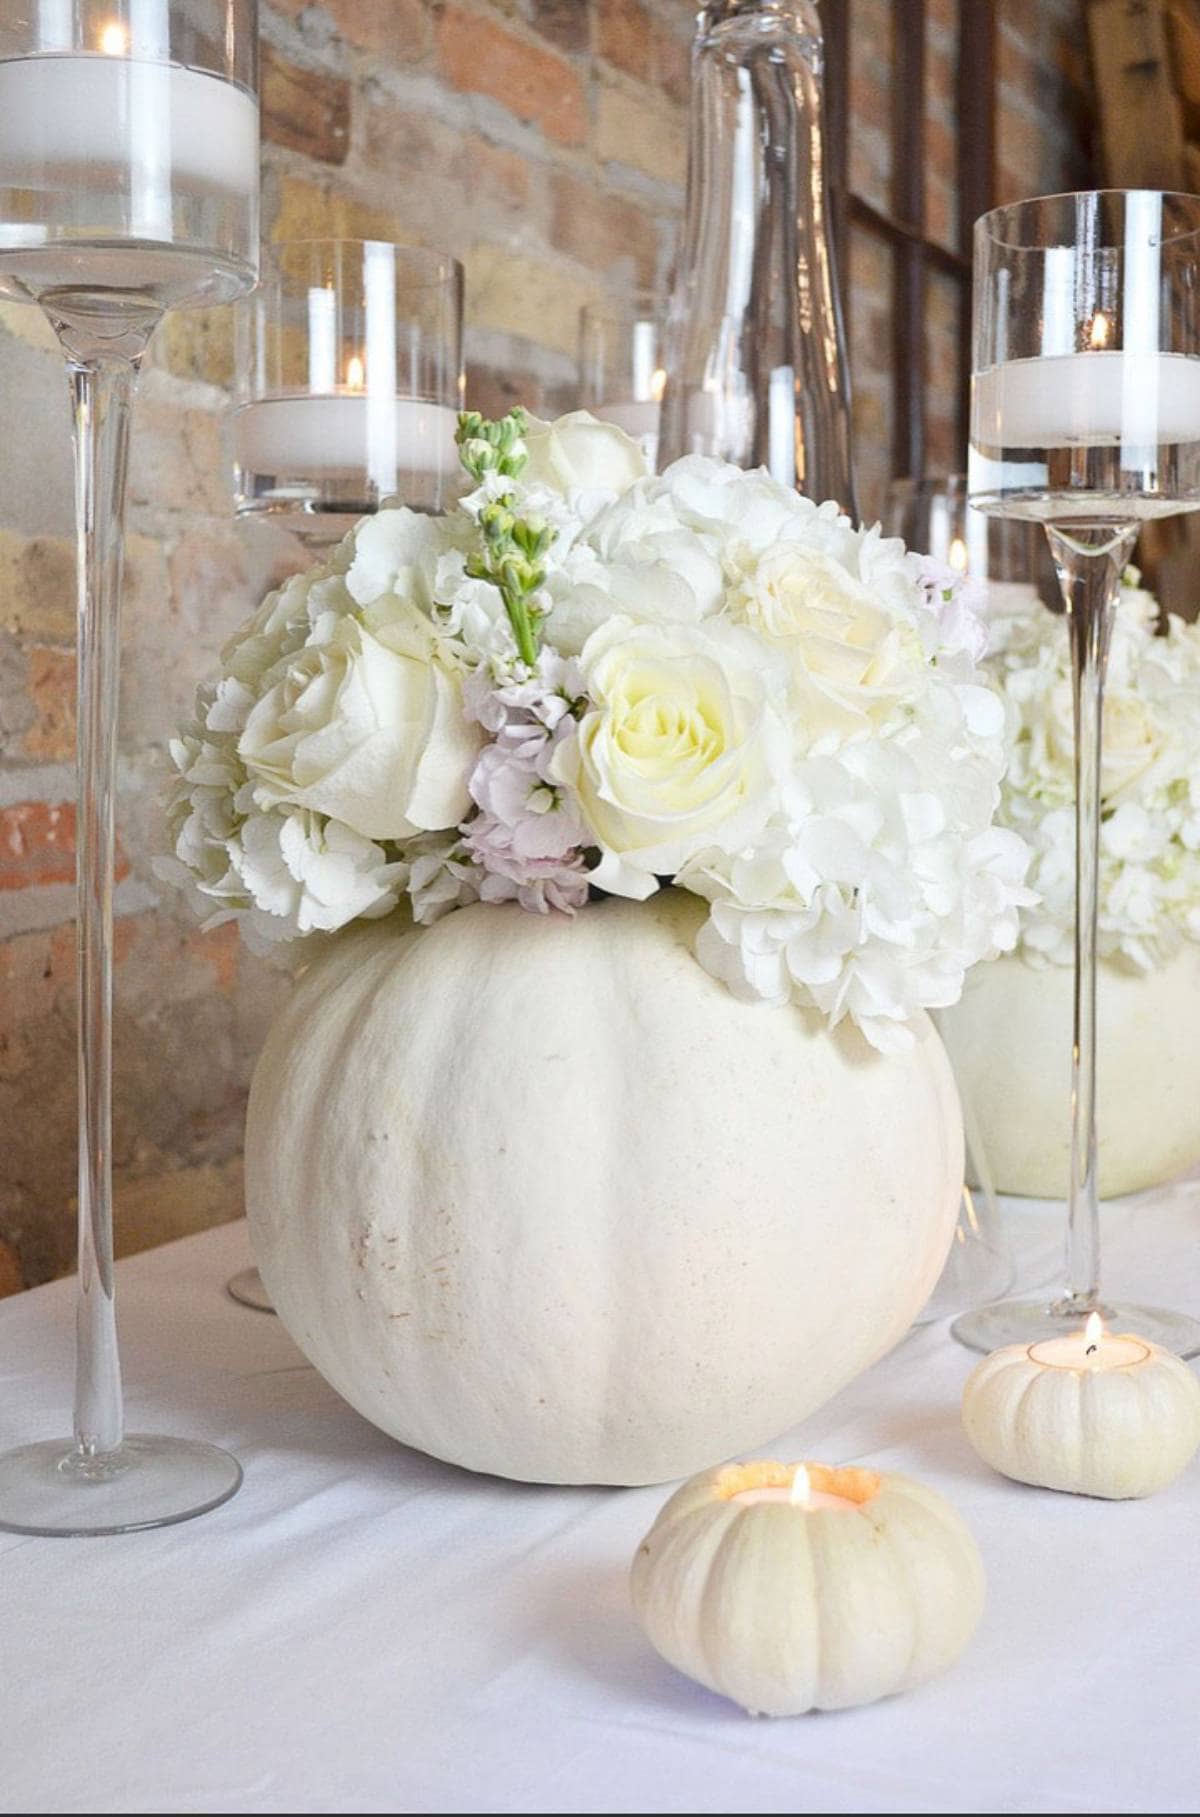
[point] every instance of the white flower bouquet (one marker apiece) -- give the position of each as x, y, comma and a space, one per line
1150, 779
589, 679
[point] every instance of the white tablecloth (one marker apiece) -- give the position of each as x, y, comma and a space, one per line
362, 1629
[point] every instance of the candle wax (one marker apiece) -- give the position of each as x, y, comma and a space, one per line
353, 432
163, 125
816, 1498
1103, 398
1076, 1352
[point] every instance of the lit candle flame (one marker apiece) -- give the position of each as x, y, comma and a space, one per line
114, 39
658, 384
1093, 1331
355, 373
957, 555
800, 1489
1099, 333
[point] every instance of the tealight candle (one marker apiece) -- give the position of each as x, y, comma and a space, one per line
798, 1493
1088, 399
349, 432
795, 1587
158, 124
1089, 1413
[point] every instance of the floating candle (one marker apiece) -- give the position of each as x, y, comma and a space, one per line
306, 438
160, 126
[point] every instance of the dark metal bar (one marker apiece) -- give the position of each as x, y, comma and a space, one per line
976, 107
865, 214
908, 206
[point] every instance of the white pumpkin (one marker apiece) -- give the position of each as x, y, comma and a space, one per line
1113, 1432
786, 1610
540, 1197
1009, 1038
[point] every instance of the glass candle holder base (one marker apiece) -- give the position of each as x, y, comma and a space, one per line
247, 1289
989, 1328
53, 1489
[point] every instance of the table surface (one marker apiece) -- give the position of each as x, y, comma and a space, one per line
364, 1629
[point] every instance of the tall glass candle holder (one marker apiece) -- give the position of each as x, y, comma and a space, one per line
621, 371
1085, 417
351, 356
128, 185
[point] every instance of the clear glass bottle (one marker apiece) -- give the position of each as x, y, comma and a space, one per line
756, 364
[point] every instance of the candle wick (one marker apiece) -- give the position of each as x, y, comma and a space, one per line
1091, 1350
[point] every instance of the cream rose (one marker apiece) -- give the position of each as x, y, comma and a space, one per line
579, 454
1133, 740
851, 659
675, 756
373, 736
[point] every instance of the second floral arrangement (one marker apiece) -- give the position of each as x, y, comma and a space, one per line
1149, 779
588, 678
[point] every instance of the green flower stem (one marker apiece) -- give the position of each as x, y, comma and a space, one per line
513, 547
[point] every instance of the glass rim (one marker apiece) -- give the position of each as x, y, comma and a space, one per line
439, 265
986, 223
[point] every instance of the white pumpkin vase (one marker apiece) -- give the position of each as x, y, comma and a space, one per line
540, 1197
1009, 1038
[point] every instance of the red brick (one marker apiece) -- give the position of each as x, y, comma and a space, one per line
51, 683
494, 176
12, 1279
941, 218
398, 29
633, 40
305, 109
625, 36
601, 230
37, 844
564, 22
479, 57
673, 65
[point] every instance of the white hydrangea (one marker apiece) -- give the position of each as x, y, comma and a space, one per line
737, 690
1150, 779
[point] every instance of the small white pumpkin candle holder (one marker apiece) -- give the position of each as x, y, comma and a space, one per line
1091, 1414
796, 1587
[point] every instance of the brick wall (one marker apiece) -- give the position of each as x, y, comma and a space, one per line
542, 142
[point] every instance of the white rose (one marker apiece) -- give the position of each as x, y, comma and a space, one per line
852, 661
1133, 740
579, 454
677, 753
371, 735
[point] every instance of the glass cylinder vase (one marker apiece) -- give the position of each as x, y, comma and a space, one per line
351, 361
